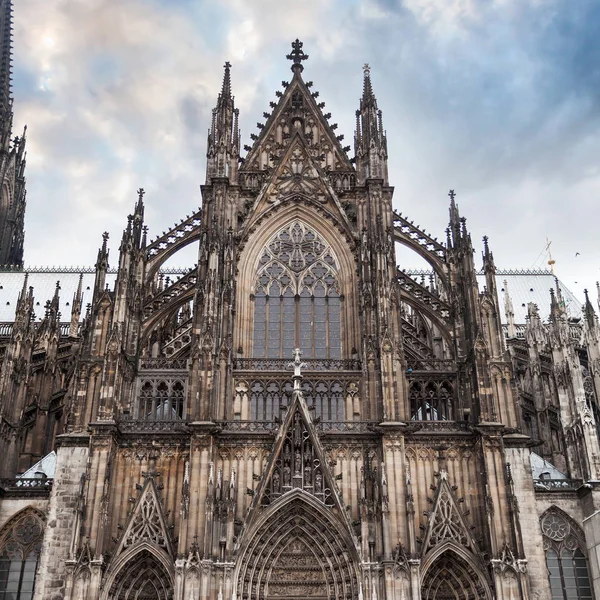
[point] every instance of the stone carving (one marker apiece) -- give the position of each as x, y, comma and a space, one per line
147, 521
446, 521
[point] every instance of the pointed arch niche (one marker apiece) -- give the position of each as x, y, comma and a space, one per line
297, 550
297, 289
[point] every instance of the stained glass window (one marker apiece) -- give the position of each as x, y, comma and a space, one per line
297, 298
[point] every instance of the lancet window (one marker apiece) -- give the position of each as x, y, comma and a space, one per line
297, 300
19, 555
160, 399
565, 560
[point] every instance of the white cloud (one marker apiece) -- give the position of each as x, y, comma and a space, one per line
117, 95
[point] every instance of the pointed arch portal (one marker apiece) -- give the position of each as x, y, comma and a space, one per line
297, 551
143, 577
450, 577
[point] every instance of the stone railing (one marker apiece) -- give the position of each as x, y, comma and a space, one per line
163, 363
25, 486
431, 364
557, 485
147, 426
312, 364
6, 328
442, 426
273, 426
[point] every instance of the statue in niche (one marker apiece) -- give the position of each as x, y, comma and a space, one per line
318, 482
307, 473
297, 430
297, 463
287, 455
276, 488
287, 475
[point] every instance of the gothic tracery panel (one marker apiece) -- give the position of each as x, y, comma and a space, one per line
297, 299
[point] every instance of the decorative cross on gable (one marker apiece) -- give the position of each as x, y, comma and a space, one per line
297, 54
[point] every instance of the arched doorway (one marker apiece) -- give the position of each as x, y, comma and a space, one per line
298, 549
452, 577
142, 577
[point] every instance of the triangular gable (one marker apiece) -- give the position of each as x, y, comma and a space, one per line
147, 522
298, 175
297, 110
297, 461
446, 521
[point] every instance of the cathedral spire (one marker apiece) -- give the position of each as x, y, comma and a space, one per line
6, 108
370, 140
223, 148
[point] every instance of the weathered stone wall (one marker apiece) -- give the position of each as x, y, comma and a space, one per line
529, 522
71, 462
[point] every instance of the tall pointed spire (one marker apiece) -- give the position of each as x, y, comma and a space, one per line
223, 148
370, 140
225, 94
509, 312
6, 70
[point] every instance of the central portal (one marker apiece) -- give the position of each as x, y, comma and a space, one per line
297, 573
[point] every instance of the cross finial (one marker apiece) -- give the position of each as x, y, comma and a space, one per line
451, 194
367, 69
141, 193
297, 54
297, 365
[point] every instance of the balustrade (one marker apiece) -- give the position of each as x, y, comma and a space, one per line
557, 485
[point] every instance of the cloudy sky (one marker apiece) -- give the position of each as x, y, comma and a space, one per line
498, 99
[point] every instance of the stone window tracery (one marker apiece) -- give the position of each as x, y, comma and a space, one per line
19, 555
565, 559
160, 399
297, 299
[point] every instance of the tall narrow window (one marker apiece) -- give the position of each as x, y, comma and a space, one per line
565, 560
297, 301
19, 557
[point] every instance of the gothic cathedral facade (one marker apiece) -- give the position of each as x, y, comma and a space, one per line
295, 416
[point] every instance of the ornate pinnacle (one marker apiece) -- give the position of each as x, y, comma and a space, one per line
141, 193
297, 55
297, 365
226, 87
452, 195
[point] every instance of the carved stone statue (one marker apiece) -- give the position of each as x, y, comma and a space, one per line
287, 475
318, 482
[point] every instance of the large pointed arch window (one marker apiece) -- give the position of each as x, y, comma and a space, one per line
297, 296
565, 559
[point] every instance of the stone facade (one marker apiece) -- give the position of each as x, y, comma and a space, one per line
201, 455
